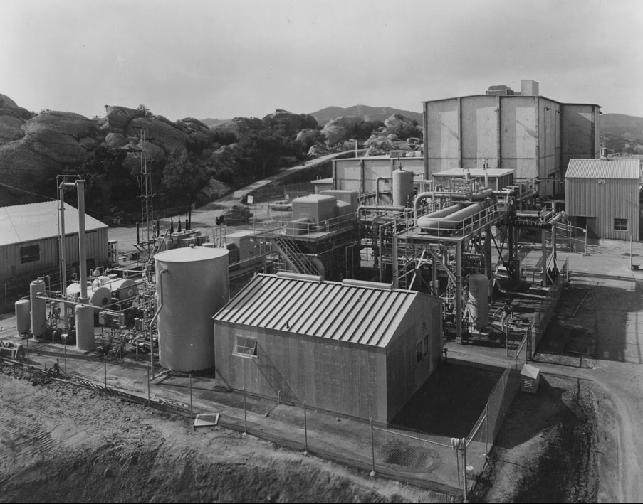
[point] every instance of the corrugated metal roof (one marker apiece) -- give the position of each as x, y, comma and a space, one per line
23, 223
331, 310
604, 168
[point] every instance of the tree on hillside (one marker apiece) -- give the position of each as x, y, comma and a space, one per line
183, 179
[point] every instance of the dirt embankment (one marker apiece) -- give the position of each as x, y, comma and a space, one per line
66, 444
547, 449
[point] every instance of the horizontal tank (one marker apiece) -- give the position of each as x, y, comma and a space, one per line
23, 316
191, 286
451, 221
100, 296
122, 288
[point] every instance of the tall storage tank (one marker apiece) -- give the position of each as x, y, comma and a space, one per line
402, 187
84, 318
192, 285
23, 316
479, 299
38, 307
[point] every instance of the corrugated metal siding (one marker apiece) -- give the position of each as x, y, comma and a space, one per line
345, 379
605, 201
347, 313
603, 168
10, 265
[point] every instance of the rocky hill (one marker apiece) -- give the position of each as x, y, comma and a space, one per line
364, 112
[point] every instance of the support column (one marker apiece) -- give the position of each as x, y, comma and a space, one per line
82, 255
544, 250
487, 252
434, 276
394, 264
458, 292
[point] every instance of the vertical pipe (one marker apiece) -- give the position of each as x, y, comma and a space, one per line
544, 251
434, 275
458, 291
460, 131
362, 175
82, 255
394, 265
425, 117
499, 132
148, 386
372, 448
305, 430
63, 243
487, 252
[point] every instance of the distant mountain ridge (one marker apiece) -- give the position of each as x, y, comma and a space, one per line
366, 112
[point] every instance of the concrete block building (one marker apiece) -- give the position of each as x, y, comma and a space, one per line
354, 348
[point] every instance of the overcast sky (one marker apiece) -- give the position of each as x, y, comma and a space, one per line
221, 59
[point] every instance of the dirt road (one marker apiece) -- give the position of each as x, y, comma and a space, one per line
609, 320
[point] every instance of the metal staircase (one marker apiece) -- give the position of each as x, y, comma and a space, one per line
296, 260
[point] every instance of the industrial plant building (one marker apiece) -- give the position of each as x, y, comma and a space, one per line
355, 348
533, 135
29, 242
603, 196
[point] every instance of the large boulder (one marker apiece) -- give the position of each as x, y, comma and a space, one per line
340, 129
12, 119
118, 118
159, 132
402, 127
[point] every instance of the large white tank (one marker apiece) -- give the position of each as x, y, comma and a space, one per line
23, 316
192, 285
479, 299
402, 187
84, 317
38, 307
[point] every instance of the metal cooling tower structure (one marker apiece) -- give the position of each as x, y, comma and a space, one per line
191, 286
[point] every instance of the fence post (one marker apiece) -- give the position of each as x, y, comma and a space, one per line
245, 417
148, 384
372, 474
190, 375
305, 431
464, 468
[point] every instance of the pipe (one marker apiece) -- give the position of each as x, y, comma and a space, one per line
158, 311
63, 241
82, 254
452, 220
378, 207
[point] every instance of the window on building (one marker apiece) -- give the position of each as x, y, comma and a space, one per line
29, 253
245, 346
620, 224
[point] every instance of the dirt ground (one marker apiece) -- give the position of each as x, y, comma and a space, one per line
547, 448
67, 444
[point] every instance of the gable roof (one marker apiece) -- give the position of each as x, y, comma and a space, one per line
23, 223
603, 168
331, 310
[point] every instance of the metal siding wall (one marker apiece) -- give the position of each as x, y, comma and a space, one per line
348, 175
518, 142
340, 378
441, 138
349, 172
479, 131
549, 137
404, 374
579, 132
616, 198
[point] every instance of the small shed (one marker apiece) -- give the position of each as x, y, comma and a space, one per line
602, 196
354, 348
529, 379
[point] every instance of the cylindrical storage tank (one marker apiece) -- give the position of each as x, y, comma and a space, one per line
84, 316
479, 299
123, 288
23, 316
191, 286
38, 307
402, 187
